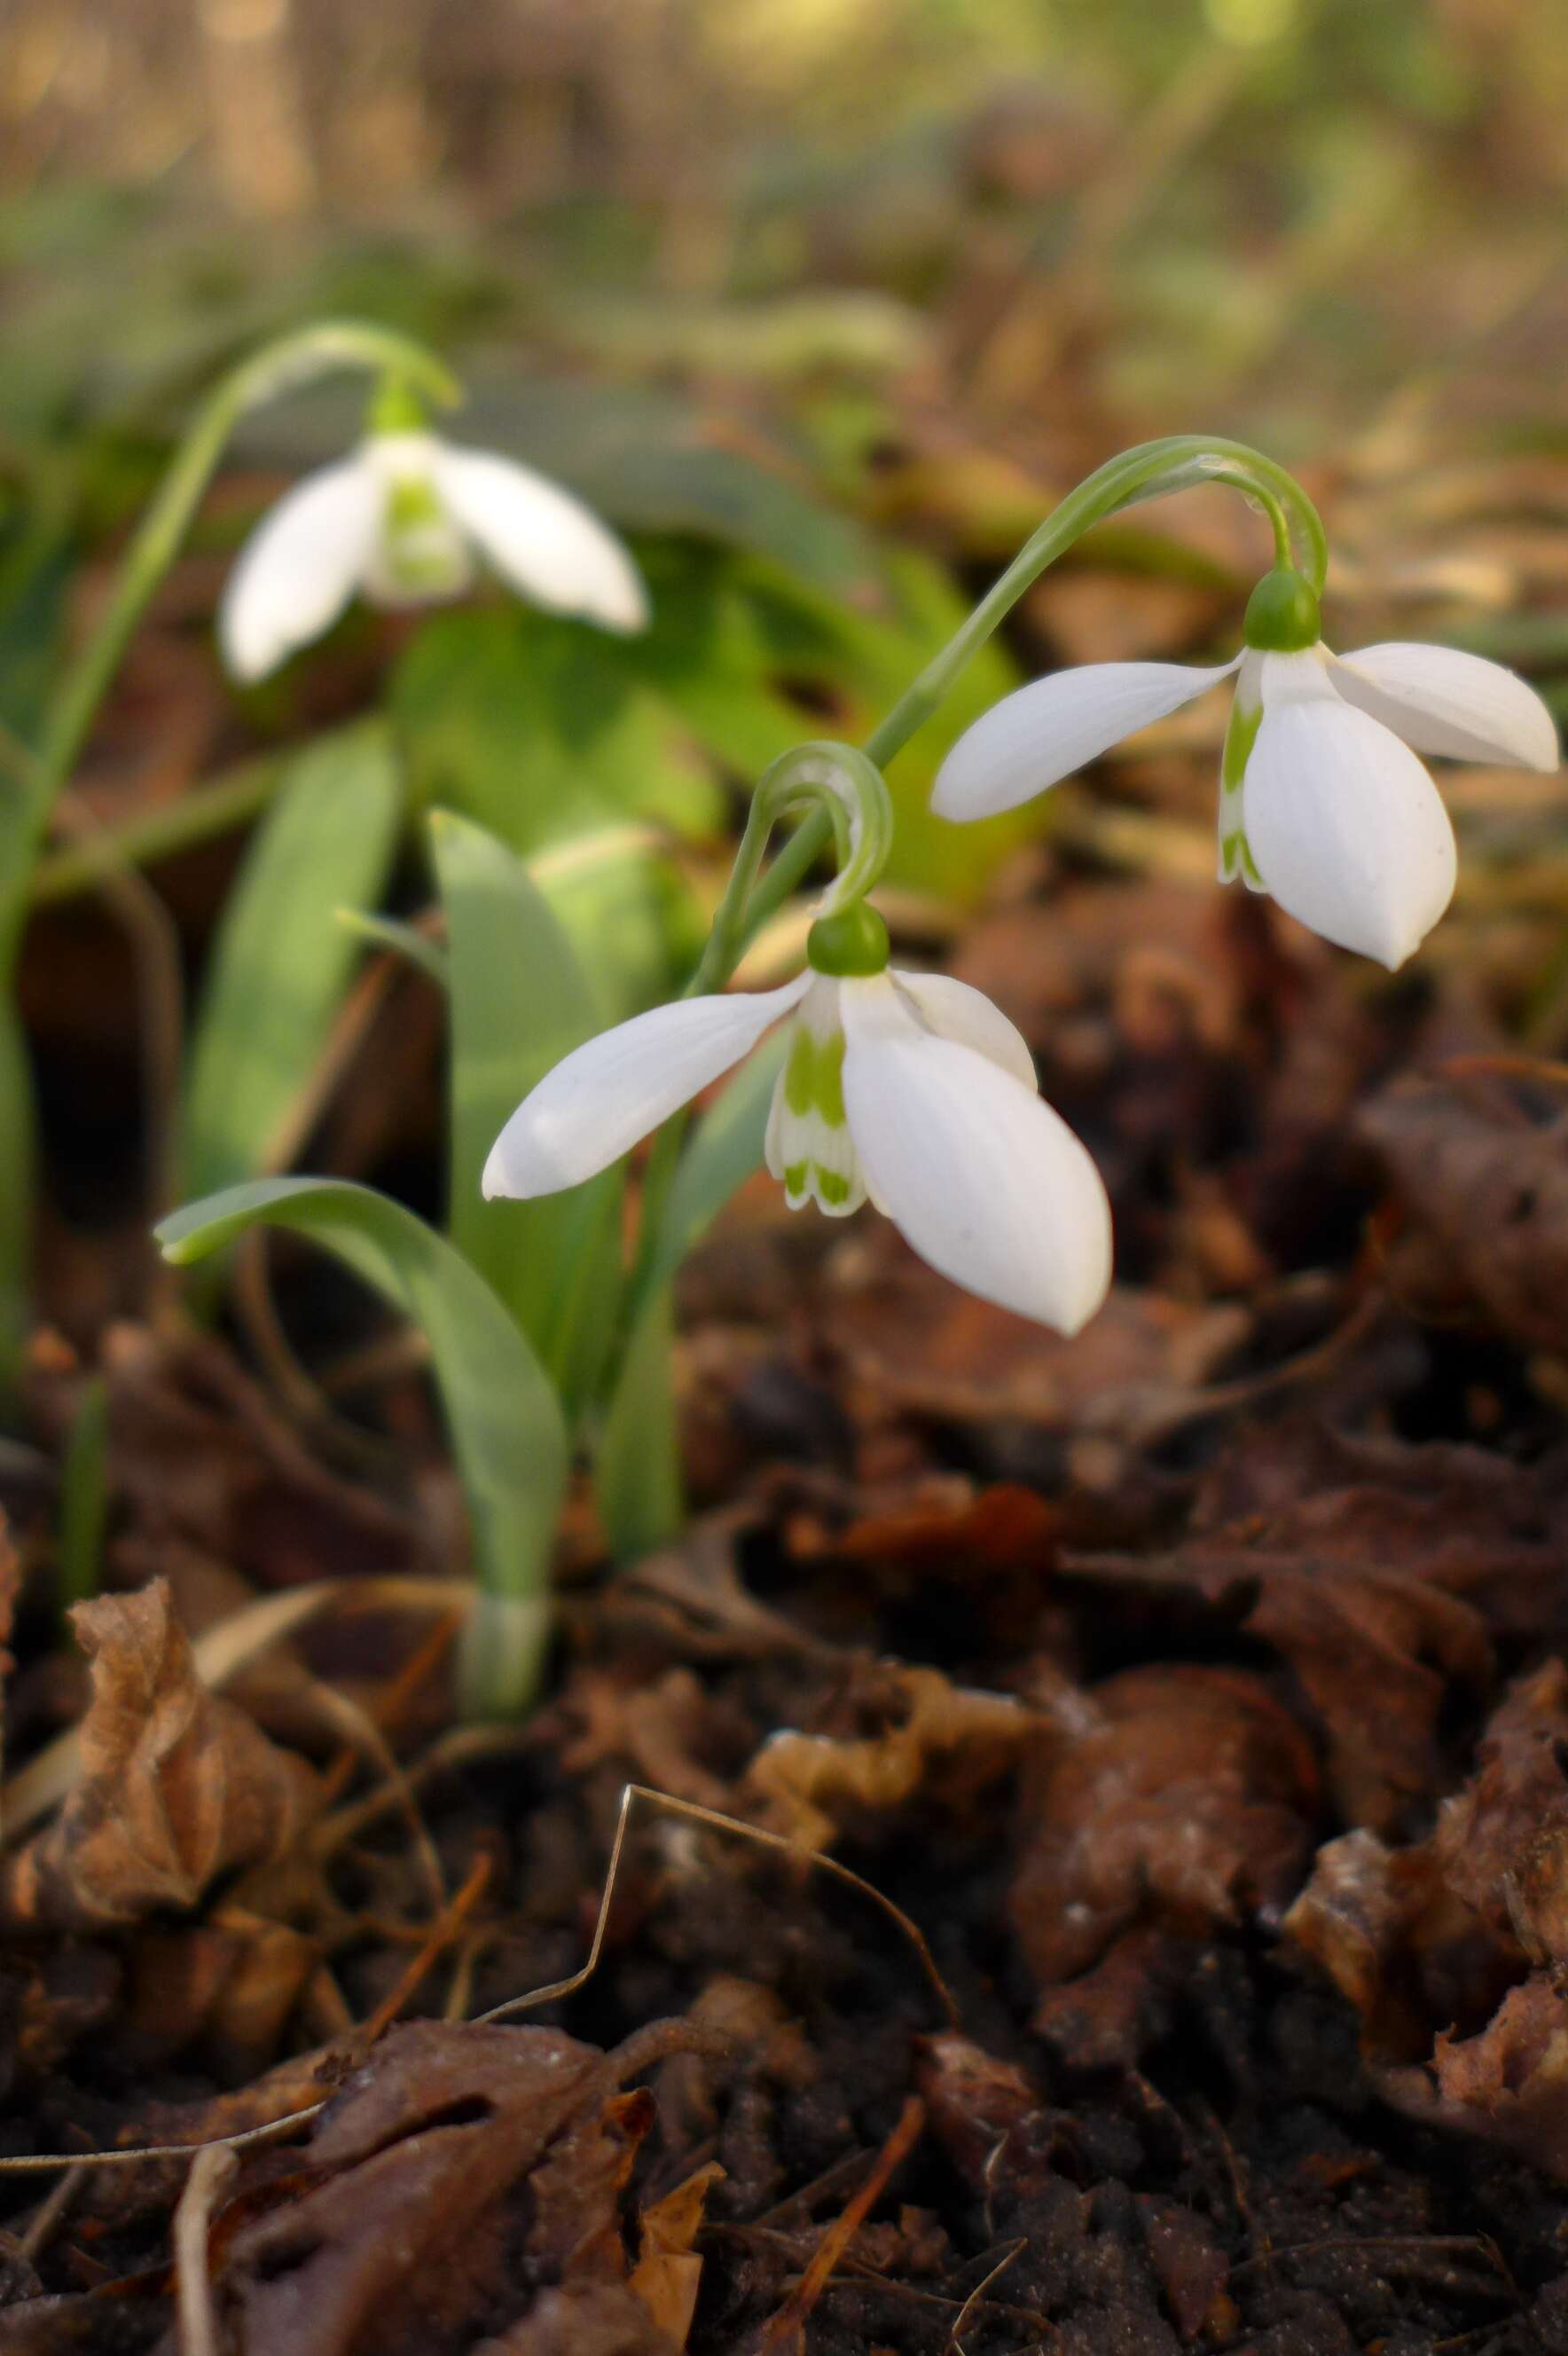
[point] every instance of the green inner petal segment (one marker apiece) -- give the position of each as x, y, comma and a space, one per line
421, 552
814, 1075
1241, 735
810, 1147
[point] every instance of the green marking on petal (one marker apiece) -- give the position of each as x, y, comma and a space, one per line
1240, 737
411, 503
830, 1080
1250, 865
800, 1072
814, 1076
832, 1185
795, 1177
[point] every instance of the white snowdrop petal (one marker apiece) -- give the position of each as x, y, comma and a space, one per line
1040, 734
1349, 832
1457, 705
299, 568
955, 1011
985, 1180
542, 538
608, 1093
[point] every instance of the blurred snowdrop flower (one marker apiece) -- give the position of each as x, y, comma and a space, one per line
911, 1091
401, 521
1322, 802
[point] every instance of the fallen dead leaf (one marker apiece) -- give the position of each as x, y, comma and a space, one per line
178, 1784
1193, 1796
963, 1740
1431, 1943
1486, 1184
668, 2272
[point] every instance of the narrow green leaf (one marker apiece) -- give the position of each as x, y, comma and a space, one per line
281, 963
18, 1126
521, 1000
540, 729
84, 1496
638, 1482
404, 940
507, 1430
636, 1462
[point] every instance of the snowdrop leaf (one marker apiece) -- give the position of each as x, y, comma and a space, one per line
540, 730
400, 939
282, 962
520, 1002
507, 1430
636, 1469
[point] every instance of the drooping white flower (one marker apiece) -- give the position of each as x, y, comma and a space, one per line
401, 521
1322, 801
911, 1091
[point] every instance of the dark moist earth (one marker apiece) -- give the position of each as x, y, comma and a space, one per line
1194, 1690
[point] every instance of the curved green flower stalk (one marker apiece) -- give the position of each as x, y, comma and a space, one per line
1179, 463
26, 801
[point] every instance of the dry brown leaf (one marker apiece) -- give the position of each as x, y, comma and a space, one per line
10, 1580
1379, 1652
178, 1786
668, 2273
1193, 1796
1508, 2084
960, 1738
453, 2155
1486, 1187
1438, 1934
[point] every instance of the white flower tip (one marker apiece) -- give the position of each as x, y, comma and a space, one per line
511, 1174
1539, 747
493, 1182
623, 606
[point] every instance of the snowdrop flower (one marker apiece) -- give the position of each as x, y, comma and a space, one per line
401, 520
910, 1089
1322, 800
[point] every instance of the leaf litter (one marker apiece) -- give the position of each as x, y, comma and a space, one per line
1179, 1721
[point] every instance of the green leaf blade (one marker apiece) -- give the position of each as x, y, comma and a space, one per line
521, 1000
281, 961
508, 1434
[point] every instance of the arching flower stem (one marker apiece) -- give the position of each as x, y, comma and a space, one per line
1175, 462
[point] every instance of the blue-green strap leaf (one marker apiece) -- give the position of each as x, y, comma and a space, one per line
507, 1430
282, 962
636, 1469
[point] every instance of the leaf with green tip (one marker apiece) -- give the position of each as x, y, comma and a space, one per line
541, 729
636, 1466
507, 1430
399, 939
521, 1000
282, 962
